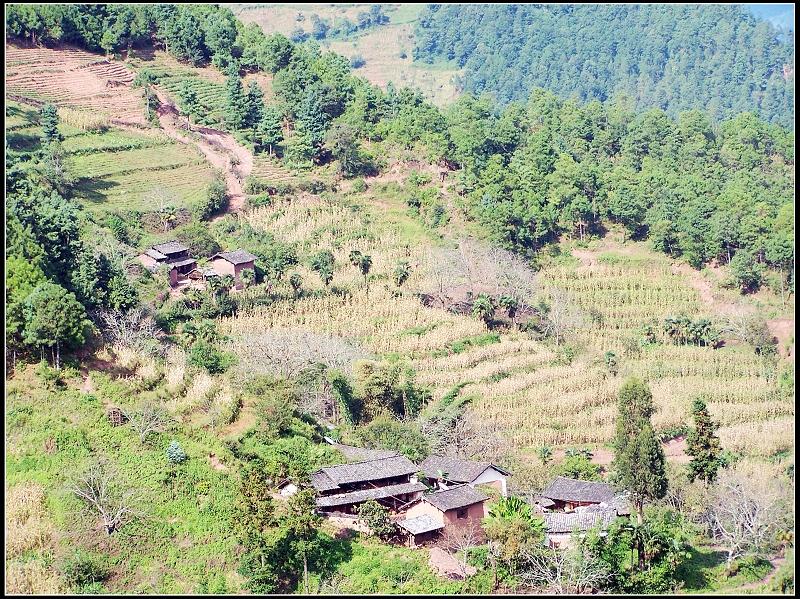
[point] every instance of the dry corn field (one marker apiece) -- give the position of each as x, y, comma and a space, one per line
75, 79
519, 384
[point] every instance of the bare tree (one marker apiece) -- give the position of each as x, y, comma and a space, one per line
461, 538
574, 570
100, 488
747, 512
471, 438
562, 318
164, 202
135, 328
148, 418
290, 351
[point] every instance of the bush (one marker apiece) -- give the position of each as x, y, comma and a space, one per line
262, 199
175, 453
359, 186
746, 274
215, 199
376, 517
205, 355
357, 61
83, 569
197, 238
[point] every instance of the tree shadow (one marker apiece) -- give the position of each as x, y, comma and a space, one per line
696, 573
334, 551
94, 190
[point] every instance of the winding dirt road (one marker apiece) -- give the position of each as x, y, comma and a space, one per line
218, 147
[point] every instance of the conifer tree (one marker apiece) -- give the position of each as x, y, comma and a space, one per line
703, 444
269, 132
254, 101
49, 121
236, 106
639, 459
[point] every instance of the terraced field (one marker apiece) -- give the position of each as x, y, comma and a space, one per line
525, 388
119, 169
72, 78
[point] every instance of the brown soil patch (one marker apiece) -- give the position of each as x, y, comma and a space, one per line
783, 330
73, 78
446, 565
675, 450
220, 149
215, 462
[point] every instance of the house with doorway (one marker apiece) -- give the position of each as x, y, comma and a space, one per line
172, 255
569, 495
444, 471
428, 517
233, 263
390, 481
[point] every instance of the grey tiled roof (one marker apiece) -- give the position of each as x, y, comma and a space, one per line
568, 489
322, 482
456, 497
560, 522
181, 262
236, 257
367, 494
360, 454
370, 470
171, 247
456, 469
420, 524
155, 254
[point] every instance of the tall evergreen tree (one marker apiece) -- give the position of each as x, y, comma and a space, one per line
235, 105
49, 121
703, 444
639, 460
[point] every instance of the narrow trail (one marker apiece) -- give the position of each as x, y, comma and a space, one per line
776, 562
217, 146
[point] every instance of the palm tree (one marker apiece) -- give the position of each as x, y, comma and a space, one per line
483, 307
401, 273
510, 304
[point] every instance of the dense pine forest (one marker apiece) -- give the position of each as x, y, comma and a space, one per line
674, 57
585, 274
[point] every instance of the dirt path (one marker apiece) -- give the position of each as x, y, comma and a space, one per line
217, 146
776, 562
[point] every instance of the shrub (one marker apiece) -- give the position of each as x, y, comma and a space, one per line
746, 274
359, 186
205, 355
357, 61
197, 238
83, 569
215, 199
175, 453
376, 517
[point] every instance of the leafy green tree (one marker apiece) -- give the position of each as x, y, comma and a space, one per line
639, 461
703, 445
513, 526
484, 308
270, 131
377, 519
49, 121
579, 467
302, 524
189, 102
323, 263
746, 273
401, 273
54, 318
385, 432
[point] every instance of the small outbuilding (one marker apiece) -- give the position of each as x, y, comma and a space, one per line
233, 263
457, 506
444, 470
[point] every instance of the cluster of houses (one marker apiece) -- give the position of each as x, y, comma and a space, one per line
425, 499
183, 269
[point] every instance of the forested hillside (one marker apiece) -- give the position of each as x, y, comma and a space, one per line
675, 57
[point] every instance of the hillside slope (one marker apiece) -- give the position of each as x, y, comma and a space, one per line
676, 57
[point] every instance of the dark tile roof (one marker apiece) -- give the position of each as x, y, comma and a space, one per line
568, 489
236, 257
456, 469
360, 454
560, 522
155, 254
322, 482
171, 247
456, 497
370, 470
367, 494
420, 524
543, 501
181, 262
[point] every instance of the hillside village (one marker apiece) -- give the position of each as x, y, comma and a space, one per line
275, 324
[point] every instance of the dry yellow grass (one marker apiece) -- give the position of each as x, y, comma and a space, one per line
27, 523
31, 578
